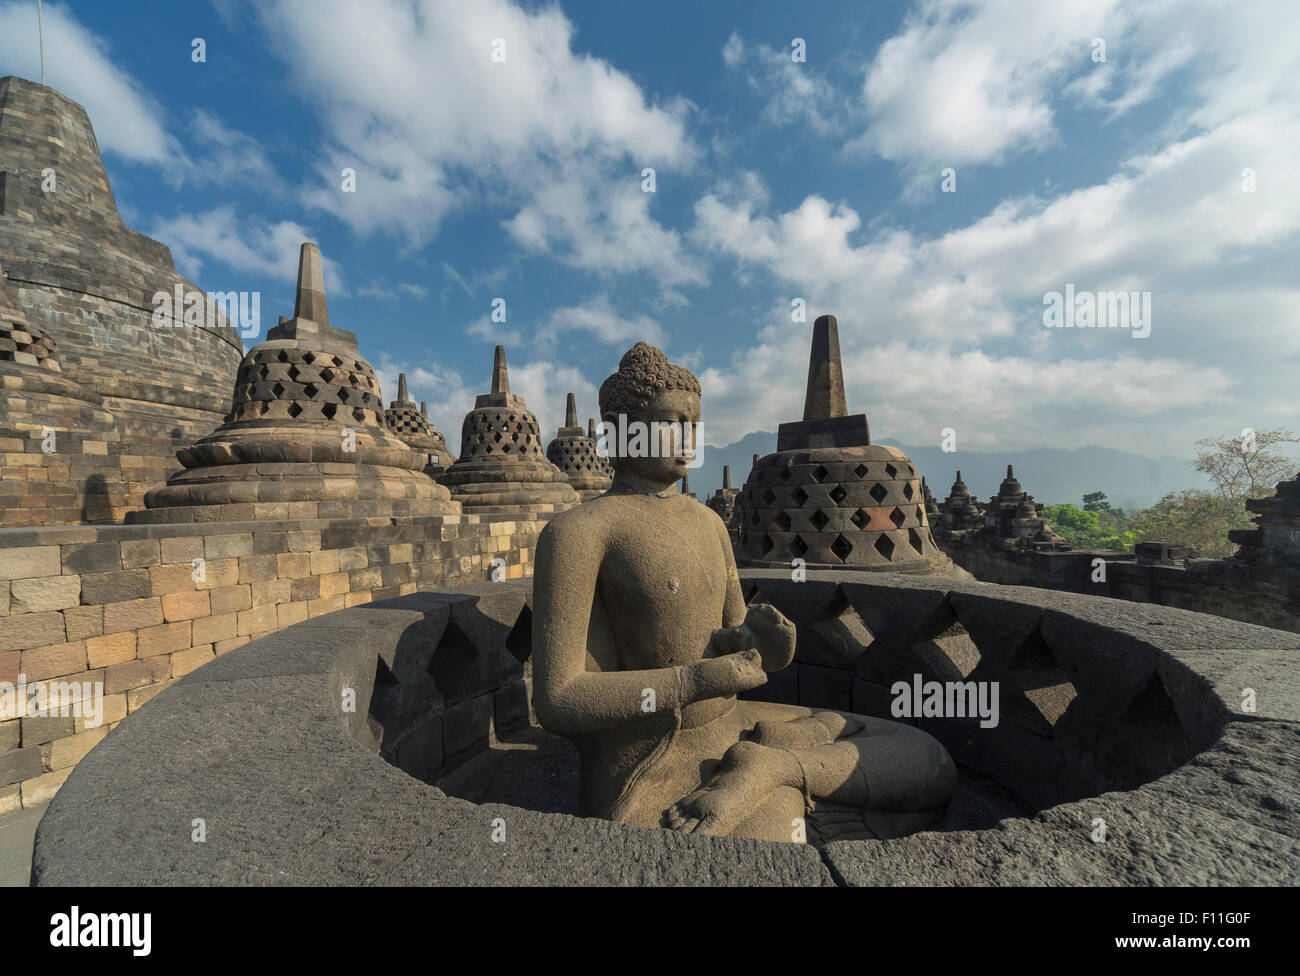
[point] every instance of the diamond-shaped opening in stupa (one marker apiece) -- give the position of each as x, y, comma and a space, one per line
799, 496
819, 474
860, 518
819, 519
878, 492
891, 471
885, 546
842, 547
908, 492
898, 518
838, 494
799, 547
914, 538
783, 520
785, 474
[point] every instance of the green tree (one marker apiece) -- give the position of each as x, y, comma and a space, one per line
1201, 519
1085, 529
1095, 501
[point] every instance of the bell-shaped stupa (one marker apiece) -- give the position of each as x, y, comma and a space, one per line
828, 495
305, 436
574, 452
723, 501
960, 510
501, 466
413, 426
1013, 516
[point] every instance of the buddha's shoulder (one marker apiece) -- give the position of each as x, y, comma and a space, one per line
595, 516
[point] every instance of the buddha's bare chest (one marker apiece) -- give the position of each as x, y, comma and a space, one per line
664, 594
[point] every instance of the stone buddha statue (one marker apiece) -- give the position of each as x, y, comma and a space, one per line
643, 641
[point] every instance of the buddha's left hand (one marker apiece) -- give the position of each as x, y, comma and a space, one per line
773, 635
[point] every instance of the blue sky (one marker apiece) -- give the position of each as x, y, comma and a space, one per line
775, 180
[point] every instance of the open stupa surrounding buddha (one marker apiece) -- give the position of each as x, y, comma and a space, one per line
828, 495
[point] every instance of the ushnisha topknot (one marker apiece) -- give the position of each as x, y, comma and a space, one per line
643, 373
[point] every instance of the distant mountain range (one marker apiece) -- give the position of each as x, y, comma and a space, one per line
1049, 474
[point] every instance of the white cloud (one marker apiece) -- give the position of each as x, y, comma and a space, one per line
967, 83
599, 318
241, 245
494, 332
603, 226
557, 135
793, 92
1173, 221
128, 121
382, 290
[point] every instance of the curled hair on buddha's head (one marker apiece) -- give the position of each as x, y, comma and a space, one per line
644, 372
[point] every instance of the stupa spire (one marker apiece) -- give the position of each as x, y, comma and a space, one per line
310, 303
825, 397
726, 476
500, 375
402, 396
571, 412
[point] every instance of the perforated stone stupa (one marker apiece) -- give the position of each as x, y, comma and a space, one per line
831, 497
501, 466
606, 467
1012, 515
413, 426
305, 436
723, 501
960, 511
574, 452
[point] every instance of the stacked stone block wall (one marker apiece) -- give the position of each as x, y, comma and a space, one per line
1222, 587
127, 607
91, 477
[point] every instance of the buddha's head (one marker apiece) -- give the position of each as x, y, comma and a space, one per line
649, 410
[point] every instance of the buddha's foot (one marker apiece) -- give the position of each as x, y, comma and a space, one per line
747, 774
804, 733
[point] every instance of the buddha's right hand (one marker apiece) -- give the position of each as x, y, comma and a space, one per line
729, 674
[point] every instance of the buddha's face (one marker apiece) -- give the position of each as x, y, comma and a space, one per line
663, 448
